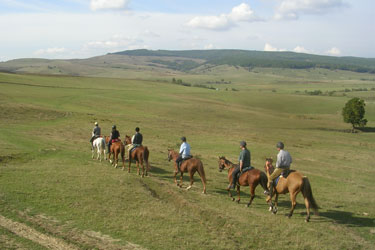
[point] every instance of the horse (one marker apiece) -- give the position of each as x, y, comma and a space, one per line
140, 155
98, 145
294, 183
191, 165
117, 148
250, 178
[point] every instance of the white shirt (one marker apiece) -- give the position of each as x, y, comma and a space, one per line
185, 149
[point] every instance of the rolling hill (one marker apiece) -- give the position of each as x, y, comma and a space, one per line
168, 63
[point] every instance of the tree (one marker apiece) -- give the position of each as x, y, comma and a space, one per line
354, 111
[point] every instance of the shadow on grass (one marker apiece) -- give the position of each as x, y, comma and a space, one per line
348, 218
367, 129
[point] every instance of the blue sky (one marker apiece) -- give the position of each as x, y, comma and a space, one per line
85, 28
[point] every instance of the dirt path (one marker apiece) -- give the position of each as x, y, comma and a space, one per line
27, 232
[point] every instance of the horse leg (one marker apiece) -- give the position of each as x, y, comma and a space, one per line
137, 163
274, 206
181, 179
175, 179
92, 152
307, 204
191, 174
130, 162
294, 203
238, 192
252, 194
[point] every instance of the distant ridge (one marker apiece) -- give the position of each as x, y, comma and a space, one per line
249, 58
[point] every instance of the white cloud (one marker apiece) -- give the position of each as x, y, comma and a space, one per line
115, 43
269, 47
209, 46
50, 51
300, 49
240, 13
292, 9
334, 52
108, 4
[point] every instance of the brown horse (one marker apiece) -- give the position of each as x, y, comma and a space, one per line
191, 165
140, 155
294, 183
250, 178
116, 148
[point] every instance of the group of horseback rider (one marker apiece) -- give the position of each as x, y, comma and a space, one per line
284, 160
115, 136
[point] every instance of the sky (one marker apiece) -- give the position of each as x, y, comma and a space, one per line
68, 29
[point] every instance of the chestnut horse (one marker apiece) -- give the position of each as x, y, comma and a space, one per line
250, 178
140, 155
116, 148
191, 165
294, 183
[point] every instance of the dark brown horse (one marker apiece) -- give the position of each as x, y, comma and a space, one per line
116, 148
191, 165
293, 184
250, 178
140, 155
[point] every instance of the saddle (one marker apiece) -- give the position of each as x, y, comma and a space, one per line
244, 170
115, 140
184, 159
284, 174
131, 151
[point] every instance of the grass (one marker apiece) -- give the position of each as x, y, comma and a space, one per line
49, 182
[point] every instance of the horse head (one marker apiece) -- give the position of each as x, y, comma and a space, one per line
222, 163
170, 154
127, 140
268, 167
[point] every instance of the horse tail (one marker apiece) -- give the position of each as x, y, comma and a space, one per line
307, 193
201, 172
146, 153
263, 180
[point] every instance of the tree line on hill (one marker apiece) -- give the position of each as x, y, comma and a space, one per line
250, 59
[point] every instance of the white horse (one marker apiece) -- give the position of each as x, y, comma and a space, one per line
98, 145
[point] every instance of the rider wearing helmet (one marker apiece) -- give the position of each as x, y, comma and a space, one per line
245, 161
96, 132
282, 164
136, 141
184, 152
114, 137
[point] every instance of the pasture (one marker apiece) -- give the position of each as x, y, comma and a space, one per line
50, 184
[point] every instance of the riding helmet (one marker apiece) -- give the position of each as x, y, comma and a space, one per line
242, 143
114, 127
183, 138
280, 145
96, 123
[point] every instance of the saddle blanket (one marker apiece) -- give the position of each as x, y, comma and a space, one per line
244, 170
284, 174
131, 151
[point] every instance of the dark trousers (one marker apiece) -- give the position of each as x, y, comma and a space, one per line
109, 146
178, 161
234, 175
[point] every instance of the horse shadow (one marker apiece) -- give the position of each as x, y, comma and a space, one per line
348, 218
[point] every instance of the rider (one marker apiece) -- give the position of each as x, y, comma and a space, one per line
96, 132
184, 152
136, 141
114, 136
245, 161
282, 164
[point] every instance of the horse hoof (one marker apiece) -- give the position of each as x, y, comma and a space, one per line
307, 220
204, 192
238, 201
233, 199
188, 187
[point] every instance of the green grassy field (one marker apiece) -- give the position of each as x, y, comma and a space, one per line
49, 183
